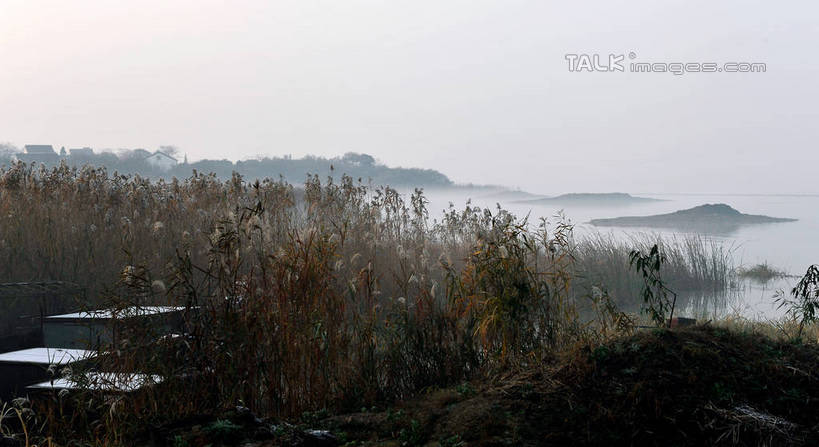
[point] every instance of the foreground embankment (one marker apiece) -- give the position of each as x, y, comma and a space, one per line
696, 386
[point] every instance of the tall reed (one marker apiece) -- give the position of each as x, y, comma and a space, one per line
694, 263
334, 295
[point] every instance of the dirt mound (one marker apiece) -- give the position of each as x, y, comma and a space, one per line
698, 386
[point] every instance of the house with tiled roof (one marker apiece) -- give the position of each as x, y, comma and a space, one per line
81, 152
39, 153
161, 161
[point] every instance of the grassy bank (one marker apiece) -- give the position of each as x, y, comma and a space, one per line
700, 386
733, 383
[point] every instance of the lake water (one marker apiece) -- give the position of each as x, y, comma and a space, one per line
789, 246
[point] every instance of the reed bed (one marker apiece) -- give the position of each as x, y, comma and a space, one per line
331, 295
695, 265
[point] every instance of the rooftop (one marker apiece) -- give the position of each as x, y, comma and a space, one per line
107, 314
101, 382
40, 149
161, 154
46, 356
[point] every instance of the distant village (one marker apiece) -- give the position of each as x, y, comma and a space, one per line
45, 153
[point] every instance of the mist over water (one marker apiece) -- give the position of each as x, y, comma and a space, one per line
787, 246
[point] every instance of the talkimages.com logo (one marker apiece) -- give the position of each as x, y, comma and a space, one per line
613, 63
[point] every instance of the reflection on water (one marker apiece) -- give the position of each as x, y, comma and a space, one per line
746, 298
723, 229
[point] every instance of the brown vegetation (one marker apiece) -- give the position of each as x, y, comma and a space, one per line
334, 296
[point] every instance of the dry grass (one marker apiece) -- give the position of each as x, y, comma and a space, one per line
337, 295
693, 264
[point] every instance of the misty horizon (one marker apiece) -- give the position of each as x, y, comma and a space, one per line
479, 91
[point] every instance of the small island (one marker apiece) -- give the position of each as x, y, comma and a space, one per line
591, 199
710, 217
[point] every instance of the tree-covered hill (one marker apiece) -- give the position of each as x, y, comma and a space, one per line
293, 170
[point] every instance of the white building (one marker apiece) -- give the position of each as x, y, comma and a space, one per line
161, 160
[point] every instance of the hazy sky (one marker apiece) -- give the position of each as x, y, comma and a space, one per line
479, 90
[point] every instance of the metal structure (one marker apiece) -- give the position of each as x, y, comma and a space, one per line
44, 334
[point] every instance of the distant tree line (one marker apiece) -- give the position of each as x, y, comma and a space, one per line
293, 170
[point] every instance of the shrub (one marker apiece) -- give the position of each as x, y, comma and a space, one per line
803, 306
658, 299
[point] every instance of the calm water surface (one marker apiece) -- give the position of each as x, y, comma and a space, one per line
791, 246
